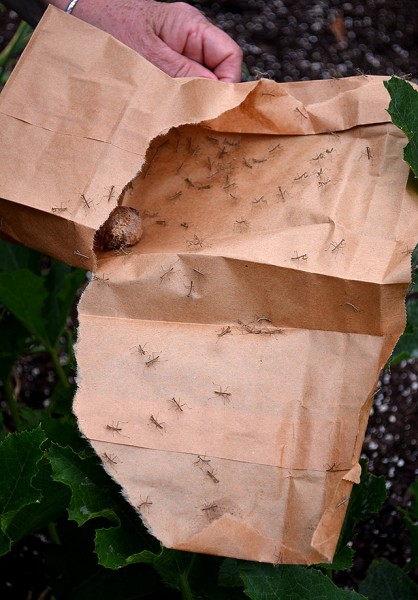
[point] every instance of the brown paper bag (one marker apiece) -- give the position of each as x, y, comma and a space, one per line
227, 361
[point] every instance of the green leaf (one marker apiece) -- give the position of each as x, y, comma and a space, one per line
41, 304
53, 503
62, 283
386, 581
366, 499
117, 547
61, 401
24, 294
30, 417
343, 559
414, 263
407, 346
290, 582
412, 313
95, 495
79, 577
174, 566
55, 497
87, 482
20, 454
413, 490
124, 545
194, 575
403, 109
14, 340
229, 573
5, 543
64, 432
16, 256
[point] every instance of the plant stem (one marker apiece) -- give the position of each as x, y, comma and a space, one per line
12, 404
53, 533
186, 592
15, 43
58, 368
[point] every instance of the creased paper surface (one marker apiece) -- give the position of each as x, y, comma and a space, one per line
227, 362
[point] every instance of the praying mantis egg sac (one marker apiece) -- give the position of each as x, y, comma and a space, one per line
122, 228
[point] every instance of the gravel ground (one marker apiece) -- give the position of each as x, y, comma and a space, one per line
290, 40
391, 448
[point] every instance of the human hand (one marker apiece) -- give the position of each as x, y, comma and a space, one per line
176, 37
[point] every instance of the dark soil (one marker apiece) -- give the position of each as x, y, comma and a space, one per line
290, 40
